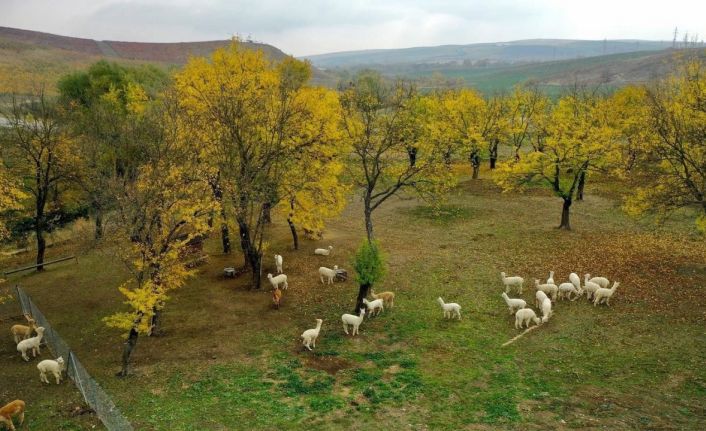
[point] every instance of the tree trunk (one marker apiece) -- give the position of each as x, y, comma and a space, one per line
363, 290
266, 216
127, 352
41, 248
369, 223
412, 153
225, 237
155, 322
565, 215
295, 237
250, 253
99, 225
493, 154
582, 182
475, 163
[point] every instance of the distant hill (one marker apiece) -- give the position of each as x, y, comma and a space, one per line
610, 71
507, 52
31, 58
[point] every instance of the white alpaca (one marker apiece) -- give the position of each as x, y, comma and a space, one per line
549, 289
31, 343
310, 335
604, 295
324, 251
566, 289
354, 321
451, 309
539, 297
524, 316
278, 263
589, 287
546, 309
330, 274
601, 281
512, 281
513, 304
575, 280
550, 280
276, 281
51, 366
375, 306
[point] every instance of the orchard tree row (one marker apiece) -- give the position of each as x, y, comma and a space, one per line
227, 143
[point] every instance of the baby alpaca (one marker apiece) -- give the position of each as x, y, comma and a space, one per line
540, 296
324, 251
549, 289
22, 332
513, 304
589, 286
373, 306
51, 366
451, 309
546, 310
387, 297
278, 263
354, 321
330, 274
31, 343
276, 281
276, 297
14, 408
523, 317
604, 295
601, 281
310, 335
512, 281
566, 289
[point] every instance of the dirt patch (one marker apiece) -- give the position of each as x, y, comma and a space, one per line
329, 364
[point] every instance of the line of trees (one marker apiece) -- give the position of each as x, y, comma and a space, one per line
227, 143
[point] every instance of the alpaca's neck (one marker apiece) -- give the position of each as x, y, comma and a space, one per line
318, 325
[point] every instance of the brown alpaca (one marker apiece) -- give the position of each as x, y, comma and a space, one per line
22, 332
15, 408
387, 297
276, 297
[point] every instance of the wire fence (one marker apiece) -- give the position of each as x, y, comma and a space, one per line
94, 395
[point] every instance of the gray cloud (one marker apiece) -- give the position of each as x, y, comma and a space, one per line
315, 26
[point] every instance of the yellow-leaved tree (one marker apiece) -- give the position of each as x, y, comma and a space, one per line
161, 212
257, 123
10, 197
578, 139
669, 145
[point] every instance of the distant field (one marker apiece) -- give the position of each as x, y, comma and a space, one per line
229, 361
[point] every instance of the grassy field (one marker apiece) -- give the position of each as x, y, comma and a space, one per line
228, 361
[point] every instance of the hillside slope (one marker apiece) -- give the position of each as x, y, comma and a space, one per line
511, 52
29, 59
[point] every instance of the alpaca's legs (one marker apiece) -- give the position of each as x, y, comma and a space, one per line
345, 328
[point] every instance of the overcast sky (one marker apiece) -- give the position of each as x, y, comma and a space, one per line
319, 26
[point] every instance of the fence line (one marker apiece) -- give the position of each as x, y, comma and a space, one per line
94, 395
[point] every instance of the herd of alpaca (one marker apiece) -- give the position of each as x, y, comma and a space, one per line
596, 290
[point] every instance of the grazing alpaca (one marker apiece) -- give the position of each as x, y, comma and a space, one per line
31, 343
513, 304
546, 310
354, 321
310, 335
387, 297
22, 332
276, 281
51, 366
451, 309
549, 289
329, 273
523, 317
14, 408
589, 286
